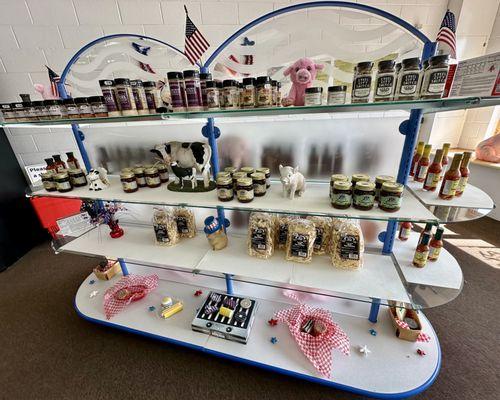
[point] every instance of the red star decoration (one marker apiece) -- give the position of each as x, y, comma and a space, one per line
273, 322
420, 352
198, 293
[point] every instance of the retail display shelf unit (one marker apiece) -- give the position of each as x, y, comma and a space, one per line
393, 369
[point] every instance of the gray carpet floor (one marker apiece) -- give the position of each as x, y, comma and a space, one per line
48, 352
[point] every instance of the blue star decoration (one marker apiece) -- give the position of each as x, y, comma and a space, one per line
373, 332
274, 340
91, 282
152, 308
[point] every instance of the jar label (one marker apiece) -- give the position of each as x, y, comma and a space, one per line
231, 98
420, 258
312, 99
176, 95
164, 175
63, 185
282, 233
99, 109
364, 200
349, 247
462, 183
152, 180
129, 185
422, 172
48, 185
450, 187
405, 233
391, 202
225, 193
259, 188
432, 180
385, 85
336, 98
139, 104
258, 239
123, 96
193, 94
318, 242
341, 199
409, 82
140, 180
248, 97
161, 233
72, 110
245, 194
110, 100
79, 180
434, 253
362, 86
299, 245
151, 100
212, 99
264, 97
55, 111
437, 81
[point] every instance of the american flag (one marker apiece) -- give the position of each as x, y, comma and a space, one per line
446, 34
195, 44
54, 80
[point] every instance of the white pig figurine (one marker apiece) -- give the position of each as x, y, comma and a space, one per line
293, 181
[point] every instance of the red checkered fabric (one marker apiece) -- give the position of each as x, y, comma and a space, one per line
422, 337
128, 289
317, 349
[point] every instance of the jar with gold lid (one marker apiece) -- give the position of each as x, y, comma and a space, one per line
267, 173
379, 180
237, 175
341, 197
391, 196
359, 178
163, 171
129, 183
248, 170
225, 189
223, 173
77, 177
259, 184
63, 184
140, 177
244, 190
337, 177
364, 195
231, 170
152, 177
48, 181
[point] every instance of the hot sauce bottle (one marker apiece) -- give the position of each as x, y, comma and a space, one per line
434, 172
422, 252
405, 230
444, 163
72, 161
50, 165
464, 173
416, 157
423, 164
427, 229
60, 164
451, 179
436, 245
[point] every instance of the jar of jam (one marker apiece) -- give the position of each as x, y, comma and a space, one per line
391, 196
248, 93
77, 177
337, 177
244, 190
63, 184
364, 195
48, 181
267, 173
313, 96
223, 173
336, 95
163, 171
231, 170
435, 77
84, 107
225, 189
129, 183
140, 177
359, 178
362, 82
264, 92
98, 106
152, 177
259, 184
238, 175
379, 180
341, 197
248, 170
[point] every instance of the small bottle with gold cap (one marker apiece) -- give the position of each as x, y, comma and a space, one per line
464, 173
451, 179
446, 149
416, 156
423, 164
434, 172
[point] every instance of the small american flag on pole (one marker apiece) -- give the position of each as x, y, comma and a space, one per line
54, 80
195, 44
446, 34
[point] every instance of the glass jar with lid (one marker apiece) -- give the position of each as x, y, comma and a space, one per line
337, 177
336, 95
108, 90
231, 94
248, 170
212, 95
77, 177
341, 197
177, 91
72, 111
204, 78
54, 108
19, 111
163, 171
364, 195
379, 181
264, 92
223, 173
84, 108
385, 81
125, 97
129, 183
31, 110
259, 184
313, 96
141, 103
7, 113
362, 82
238, 175
231, 170
98, 106
225, 188
248, 93
139, 176
153, 98
63, 183
49, 184
244, 190
409, 79
152, 177
267, 174
192, 86
359, 178
391, 196
435, 77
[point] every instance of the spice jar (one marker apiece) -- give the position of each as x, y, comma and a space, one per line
336, 95
231, 94
237, 175
177, 91
125, 97
409, 79
267, 173
225, 189
364, 195
341, 197
108, 90
72, 111
204, 78
19, 112
435, 77
31, 110
231, 170
391, 196
248, 170
244, 190
337, 177
77, 177
153, 98
163, 171
385, 81
212, 95
359, 178
84, 108
248, 93
362, 82
152, 177
48, 181
193, 90
7, 113
275, 87
53, 109
129, 183
312, 96
140, 177
63, 183
259, 184
141, 103
264, 92
278, 94
220, 87
98, 106
379, 180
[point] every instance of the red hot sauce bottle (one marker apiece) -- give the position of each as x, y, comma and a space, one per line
436, 245
51, 166
416, 157
444, 163
422, 252
423, 164
60, 164
72, 161
451, 179
434, 172
464, 173
405, 230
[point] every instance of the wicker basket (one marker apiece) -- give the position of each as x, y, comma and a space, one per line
408, 334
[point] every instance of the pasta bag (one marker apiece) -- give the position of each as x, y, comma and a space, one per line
281, 224
260, 235
300, 242
323, 227
186, 224
347, 245
165, 228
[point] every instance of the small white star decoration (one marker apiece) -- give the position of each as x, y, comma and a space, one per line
93, 294
364, 350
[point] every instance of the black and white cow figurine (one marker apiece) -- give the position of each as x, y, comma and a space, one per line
187, 155
184, 174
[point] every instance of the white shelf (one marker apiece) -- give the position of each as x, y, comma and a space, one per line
392, 367
378, 278
472, 197
314, 201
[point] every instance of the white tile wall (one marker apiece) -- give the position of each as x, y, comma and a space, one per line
140, 12
59, 12
14, 12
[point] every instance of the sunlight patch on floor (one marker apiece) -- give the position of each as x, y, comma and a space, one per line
480, 249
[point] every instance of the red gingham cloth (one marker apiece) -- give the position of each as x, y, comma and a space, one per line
317, 349
127, 289
422, 337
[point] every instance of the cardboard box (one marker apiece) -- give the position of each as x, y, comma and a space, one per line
406, 334
109, 273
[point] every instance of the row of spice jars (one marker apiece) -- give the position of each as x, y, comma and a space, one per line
151, 176
63, 180
80, 107
363, 194
246, 183
314, 95
404, 81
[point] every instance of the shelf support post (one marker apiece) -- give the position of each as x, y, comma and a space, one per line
123, 266
374, 310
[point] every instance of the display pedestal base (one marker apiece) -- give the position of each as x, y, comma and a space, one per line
393, 369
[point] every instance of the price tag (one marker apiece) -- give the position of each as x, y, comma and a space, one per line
75, 225
34, 172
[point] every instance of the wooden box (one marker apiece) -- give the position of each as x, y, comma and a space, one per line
109, 273
406, 334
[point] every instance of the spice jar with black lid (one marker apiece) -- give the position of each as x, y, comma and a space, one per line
248, 93
108, 90
362, 82
7, 113
364, 195
98, 106
84, 107
125, 97
63, 183
53, 108
152, 177
192, 86
435, 77
312, 96
31, 110
71, 108
204, 78
336, 95
225, 189
409, 79
212, 95
231, 94
385, 81
153, 98
391, 196
341, 197
177, 91
77, 177
129, 184
139, 93
264, 92
244, 190
259, 184
19, 111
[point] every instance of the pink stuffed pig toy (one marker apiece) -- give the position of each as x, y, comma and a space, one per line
302, 74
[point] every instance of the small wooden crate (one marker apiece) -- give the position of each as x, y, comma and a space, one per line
109, 273
406, 334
